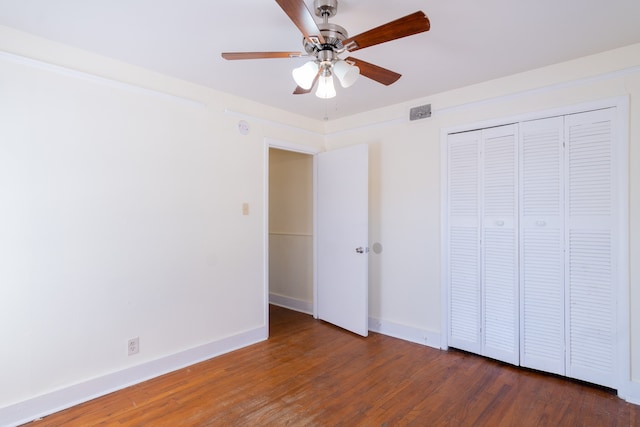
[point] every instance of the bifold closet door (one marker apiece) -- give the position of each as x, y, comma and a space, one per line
542, 324
463, 238
591, 242
568, 202
532, 242
483, 242
499, 243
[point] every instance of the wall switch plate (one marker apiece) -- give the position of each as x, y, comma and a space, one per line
245, 208
133, 346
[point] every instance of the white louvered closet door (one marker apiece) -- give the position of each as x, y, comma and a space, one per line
591, 243
463, 218
500, 319
542, 307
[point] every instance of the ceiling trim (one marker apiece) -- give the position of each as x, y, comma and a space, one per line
82, 75
544, 89
247, 116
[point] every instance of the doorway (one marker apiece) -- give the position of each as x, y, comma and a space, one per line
290, 229
316, 233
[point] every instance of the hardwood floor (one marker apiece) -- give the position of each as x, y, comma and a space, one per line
310, 373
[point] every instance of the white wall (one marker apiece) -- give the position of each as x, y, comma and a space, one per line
291, 229
120, 217
405, 177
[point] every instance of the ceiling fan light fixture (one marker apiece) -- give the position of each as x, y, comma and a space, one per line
326, 41
346, 73
305, 75
326, 89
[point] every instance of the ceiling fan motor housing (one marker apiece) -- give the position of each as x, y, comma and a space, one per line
333, 35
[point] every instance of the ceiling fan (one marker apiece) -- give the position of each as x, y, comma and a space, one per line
326, 41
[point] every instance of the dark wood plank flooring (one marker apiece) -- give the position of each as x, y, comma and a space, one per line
310, 373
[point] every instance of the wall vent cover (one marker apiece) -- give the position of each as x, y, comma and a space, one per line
421, 112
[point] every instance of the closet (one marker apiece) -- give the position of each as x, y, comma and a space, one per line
530, 238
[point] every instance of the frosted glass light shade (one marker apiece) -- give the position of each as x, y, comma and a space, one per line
346, 73
326, 89
305, 75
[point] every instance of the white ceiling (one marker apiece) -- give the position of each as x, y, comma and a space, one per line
470, 41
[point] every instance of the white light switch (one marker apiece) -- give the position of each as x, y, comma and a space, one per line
245, 208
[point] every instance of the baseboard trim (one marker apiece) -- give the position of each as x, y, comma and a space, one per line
630, 393
41, 406
291, 303
404, 332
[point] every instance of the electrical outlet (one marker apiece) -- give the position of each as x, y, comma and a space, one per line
133, 346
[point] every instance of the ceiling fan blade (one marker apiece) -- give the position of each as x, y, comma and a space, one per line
302, 17
301, 91
374, 72
409, 25
259, 55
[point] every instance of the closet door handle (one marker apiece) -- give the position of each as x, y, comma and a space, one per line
541, 223
500, 223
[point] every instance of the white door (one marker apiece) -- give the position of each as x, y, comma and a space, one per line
542, 339
463, 240
342, 238
499, 243
482, 242
591, 239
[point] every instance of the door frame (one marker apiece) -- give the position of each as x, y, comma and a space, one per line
296, 148
625, 387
